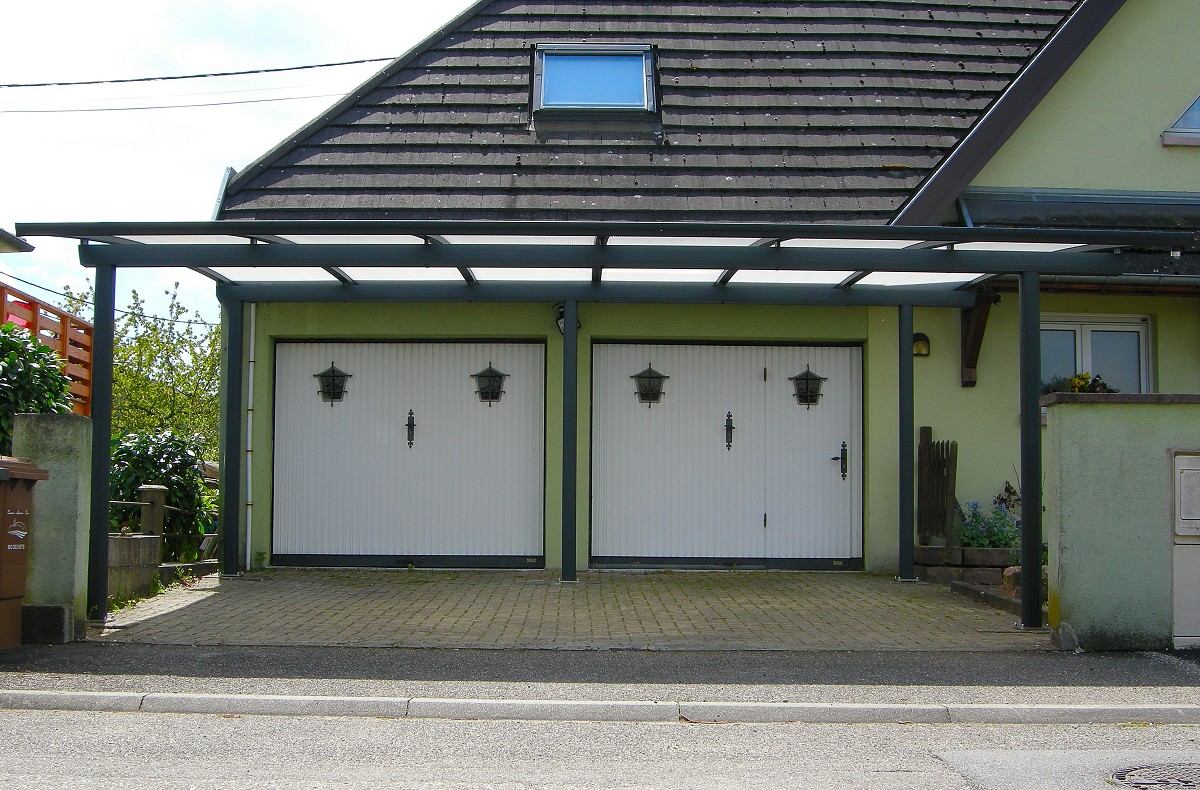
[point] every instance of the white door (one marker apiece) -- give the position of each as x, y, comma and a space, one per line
671, 484
351, 489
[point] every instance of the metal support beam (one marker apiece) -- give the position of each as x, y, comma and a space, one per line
570, 401
231, 434
852, 280
104, 323
339, 275
1030, 340
906, 495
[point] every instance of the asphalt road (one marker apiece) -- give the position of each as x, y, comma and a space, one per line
86, 750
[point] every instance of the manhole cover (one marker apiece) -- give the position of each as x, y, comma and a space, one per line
1177, 775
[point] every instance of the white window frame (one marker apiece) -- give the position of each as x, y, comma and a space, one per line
649, 88
1085, 323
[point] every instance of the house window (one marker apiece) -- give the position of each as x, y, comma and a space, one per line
1112, 347
1186, 130
593, 77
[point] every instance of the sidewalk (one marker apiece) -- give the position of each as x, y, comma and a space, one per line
677, 686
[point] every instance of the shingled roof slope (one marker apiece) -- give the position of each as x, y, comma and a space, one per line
771, 111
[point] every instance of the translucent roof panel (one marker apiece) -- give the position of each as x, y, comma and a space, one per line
678, 241
402, 274
1007, 246
282, 274
188, 239
903, 278
533, 275
354, 239
519, 240
875, 244
662, 275
782, 278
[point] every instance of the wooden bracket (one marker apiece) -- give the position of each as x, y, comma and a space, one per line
974, 324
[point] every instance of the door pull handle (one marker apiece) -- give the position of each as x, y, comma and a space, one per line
843, 458
412, 428
729, 429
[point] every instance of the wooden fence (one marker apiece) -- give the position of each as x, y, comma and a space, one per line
69, 335
937, 468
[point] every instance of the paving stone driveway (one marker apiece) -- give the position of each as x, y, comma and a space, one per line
684, 610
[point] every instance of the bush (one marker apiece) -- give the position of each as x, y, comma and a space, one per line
31, 381
995, 530
168, 460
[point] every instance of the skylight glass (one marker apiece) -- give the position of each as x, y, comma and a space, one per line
593, 77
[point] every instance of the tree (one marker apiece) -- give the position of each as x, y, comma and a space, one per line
31, 381
166, 371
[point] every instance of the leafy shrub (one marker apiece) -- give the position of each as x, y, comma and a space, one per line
31, 381
995, 530
168, 460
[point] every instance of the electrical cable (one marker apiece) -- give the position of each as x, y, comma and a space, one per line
93, 304
192, 76
172, 106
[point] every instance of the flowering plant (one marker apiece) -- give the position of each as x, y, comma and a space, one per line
995, 530
1080, 382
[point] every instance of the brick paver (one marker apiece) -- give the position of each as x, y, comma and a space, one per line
685, 610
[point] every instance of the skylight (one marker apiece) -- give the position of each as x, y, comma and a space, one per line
593, 77
1186, 130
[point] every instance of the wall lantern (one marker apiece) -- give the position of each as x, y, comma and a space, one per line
560, 318
333, 384
489, 383
808, 387
649, 385
920, 345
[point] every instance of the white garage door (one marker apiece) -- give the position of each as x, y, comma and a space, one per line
352, 489
671, 483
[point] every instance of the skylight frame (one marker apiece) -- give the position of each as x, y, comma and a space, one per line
649, 80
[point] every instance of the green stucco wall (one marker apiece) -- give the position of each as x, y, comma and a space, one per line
1109, 511
1099, 127
983, 419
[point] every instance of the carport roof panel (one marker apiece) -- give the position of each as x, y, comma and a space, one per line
365, 251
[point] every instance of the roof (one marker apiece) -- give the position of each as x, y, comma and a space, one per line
774, 111
10, 243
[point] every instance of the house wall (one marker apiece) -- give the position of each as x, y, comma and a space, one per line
1099, 127
983, 419
1109, 514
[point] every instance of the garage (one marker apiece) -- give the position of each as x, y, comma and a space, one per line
431, 455
727, 455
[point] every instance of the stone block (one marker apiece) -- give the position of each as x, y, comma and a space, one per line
938, 574
989, 558
986, 576
133, 564
48, 625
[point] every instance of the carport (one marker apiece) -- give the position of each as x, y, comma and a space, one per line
570, 263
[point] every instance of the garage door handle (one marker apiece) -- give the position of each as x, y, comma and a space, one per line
843, 458
412, 428
729, 429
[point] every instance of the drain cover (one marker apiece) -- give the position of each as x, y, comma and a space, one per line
1177, 775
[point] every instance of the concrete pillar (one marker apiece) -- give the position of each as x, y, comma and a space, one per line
56, 579
155, 498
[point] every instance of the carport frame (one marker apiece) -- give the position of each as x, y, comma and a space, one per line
107, 247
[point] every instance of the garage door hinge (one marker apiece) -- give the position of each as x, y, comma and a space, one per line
764, 374
764, 520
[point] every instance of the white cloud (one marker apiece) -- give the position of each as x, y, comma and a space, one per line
162, 165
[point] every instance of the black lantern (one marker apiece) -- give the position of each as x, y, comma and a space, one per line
489, 383
808, 387
649, 385
333, 384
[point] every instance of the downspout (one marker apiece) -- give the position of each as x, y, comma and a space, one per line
249, 458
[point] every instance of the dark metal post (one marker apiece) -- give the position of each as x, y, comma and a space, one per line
570, 435
906, 496
1031, 450
231, 438
104, 323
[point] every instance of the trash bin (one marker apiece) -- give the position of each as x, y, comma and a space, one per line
17, 478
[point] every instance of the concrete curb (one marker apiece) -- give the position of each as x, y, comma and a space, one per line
584, 710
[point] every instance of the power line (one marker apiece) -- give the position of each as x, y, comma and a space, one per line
192, 76
93, 304
173, 106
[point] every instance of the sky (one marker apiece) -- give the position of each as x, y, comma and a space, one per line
167, 164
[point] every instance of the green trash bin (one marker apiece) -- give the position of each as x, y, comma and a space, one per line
17, 479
